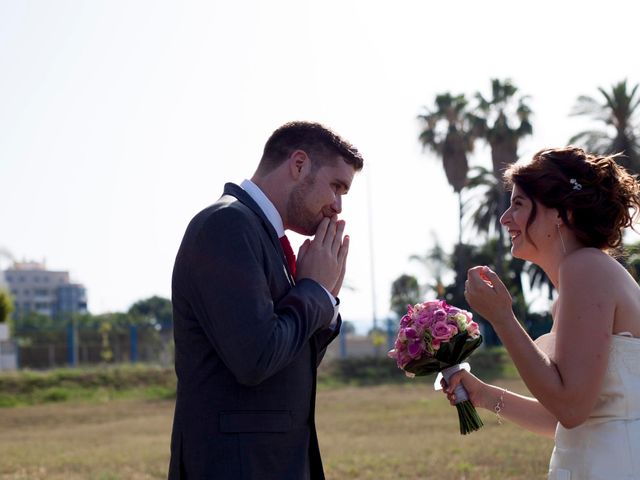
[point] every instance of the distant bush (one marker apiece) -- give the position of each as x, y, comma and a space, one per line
28, 387
486, 363
31, 387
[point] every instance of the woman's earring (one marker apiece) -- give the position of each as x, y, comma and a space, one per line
564, 249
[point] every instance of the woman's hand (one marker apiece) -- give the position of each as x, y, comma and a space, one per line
487, 295
476, 388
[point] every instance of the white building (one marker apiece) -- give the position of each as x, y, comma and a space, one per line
47, 292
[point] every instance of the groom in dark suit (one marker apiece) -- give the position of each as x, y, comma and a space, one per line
250, 323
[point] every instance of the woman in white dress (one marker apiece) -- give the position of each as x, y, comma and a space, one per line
568, 212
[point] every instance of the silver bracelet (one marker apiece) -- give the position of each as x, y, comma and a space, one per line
499, 406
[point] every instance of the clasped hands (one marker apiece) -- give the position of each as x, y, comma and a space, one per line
324, 258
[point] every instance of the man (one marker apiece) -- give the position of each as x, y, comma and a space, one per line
250, 323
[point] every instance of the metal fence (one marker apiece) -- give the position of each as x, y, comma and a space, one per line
74, 346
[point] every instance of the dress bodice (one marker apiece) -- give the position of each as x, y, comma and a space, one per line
620, 396
607, 444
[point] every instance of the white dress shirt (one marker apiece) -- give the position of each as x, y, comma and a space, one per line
270, 211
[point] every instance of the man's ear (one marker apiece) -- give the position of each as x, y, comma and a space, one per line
299, 163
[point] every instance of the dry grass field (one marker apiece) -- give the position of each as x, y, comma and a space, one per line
404, 431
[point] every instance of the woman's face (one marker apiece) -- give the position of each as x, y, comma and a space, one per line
529, 243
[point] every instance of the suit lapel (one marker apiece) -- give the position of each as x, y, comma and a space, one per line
244, 198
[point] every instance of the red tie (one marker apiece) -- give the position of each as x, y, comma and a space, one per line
288, 253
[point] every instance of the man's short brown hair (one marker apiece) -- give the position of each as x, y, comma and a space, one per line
319, 142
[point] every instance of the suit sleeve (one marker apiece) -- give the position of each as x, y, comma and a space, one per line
324, 337
255, 335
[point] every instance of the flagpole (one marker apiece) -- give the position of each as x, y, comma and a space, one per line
371, 250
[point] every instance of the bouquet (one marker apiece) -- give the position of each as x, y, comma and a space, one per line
436, 337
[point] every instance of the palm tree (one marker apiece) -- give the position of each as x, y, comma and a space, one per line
539, 279
483, 206
502, 121
435, 262
494, 121
447, 132
631, 260
619, 111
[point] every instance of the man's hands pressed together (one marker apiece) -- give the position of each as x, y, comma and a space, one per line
324, 258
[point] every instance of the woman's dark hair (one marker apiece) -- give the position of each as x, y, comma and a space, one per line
318, 141
602, 196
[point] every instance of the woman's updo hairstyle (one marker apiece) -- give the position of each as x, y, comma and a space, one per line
601, 196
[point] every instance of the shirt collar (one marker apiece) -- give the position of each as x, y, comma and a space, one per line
265, 205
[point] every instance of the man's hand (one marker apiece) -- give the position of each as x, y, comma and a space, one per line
324, 258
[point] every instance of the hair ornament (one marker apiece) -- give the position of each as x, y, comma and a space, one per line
577, 186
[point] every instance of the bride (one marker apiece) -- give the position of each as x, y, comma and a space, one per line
568, 211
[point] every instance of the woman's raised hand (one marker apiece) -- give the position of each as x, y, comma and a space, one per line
487, 295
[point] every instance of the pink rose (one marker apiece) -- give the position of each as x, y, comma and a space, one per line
443, 331
411, 333
415, 349
422, 322
439, 316
426, 308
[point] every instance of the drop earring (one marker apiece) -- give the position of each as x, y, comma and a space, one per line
564, 249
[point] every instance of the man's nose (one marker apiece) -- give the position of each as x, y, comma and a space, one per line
336, 206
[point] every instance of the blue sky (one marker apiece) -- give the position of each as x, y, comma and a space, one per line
119, 120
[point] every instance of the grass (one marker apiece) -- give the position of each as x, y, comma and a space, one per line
408, 431
402, 430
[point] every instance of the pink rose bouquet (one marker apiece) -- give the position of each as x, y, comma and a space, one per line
436, 337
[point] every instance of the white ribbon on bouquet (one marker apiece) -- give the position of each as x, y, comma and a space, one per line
461, 393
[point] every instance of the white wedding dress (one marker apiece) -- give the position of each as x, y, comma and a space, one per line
607, 445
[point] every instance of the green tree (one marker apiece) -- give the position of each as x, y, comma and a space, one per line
538, 279
631, 261
447, 132
156, 310
618, 114
33, 328
405, 290
483, 205
435, 262
6, 305
106, 353
502, 120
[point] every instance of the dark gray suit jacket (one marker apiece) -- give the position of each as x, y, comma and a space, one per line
247, 344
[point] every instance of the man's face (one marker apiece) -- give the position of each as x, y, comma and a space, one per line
318, 195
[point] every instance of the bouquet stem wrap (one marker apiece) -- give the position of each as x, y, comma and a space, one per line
467, 415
